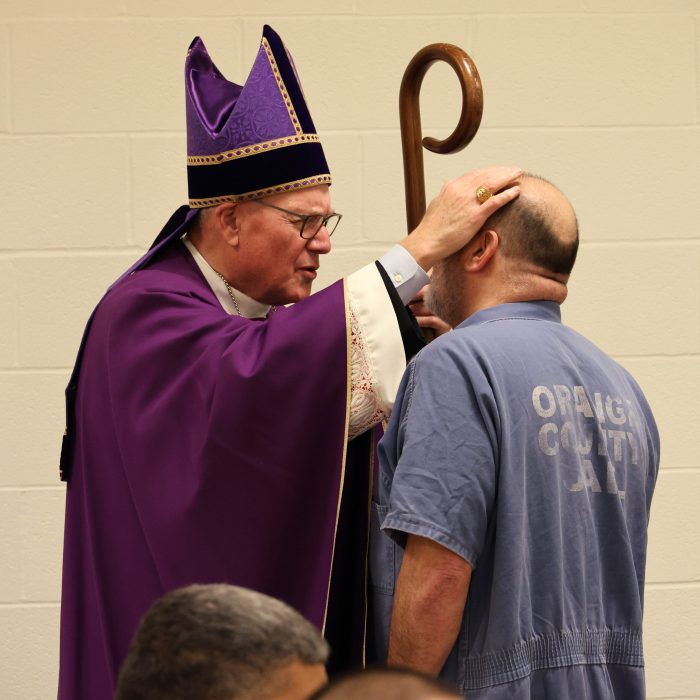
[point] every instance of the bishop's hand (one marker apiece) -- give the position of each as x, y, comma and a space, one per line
456, 215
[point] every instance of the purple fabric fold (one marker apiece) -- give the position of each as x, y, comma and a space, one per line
215, 99
207, 449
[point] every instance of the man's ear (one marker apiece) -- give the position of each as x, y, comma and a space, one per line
480, 250
228, 223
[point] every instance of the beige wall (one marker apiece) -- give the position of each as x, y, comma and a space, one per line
600, 96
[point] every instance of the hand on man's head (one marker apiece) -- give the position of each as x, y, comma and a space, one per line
458, 212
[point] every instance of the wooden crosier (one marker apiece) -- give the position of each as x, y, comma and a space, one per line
409, 115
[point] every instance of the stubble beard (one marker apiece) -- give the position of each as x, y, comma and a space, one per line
445, 295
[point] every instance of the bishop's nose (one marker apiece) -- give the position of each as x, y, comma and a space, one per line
321, 242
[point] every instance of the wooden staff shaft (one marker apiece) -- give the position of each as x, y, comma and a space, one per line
409, 114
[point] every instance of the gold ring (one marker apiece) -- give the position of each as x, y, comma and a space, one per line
483, 193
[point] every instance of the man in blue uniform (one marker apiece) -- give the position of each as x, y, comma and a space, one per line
516, 480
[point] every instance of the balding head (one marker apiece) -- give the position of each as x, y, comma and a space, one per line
385, 684
523, 252
538, 231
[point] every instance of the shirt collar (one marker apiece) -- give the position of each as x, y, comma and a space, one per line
250, 308
535, 310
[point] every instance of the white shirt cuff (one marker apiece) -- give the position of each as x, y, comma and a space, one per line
407, 276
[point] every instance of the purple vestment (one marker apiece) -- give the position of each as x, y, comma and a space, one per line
204, 448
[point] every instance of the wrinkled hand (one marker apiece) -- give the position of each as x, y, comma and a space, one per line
455, 216
431, 325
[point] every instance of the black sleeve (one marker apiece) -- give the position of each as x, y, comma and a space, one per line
411, 334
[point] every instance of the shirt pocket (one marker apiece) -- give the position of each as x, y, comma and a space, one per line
382, 553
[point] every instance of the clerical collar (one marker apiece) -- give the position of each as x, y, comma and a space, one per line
250, 308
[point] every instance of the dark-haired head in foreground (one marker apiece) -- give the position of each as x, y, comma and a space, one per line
221, 642
385, 684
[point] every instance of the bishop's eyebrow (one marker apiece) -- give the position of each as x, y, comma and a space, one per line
316, 211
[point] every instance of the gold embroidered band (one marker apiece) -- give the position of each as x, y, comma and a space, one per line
324, 179
281, 86
253, 149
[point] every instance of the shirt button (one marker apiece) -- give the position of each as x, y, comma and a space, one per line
398, 278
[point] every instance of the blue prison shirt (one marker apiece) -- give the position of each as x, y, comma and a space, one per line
526, 450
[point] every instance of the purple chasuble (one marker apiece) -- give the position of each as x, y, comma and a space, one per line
205, 448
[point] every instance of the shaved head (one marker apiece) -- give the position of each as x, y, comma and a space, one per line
386, 684
524, 252
538, 229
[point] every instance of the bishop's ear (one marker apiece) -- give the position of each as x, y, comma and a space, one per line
228, 222
480, 250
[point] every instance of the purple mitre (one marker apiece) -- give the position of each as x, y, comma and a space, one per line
250, 141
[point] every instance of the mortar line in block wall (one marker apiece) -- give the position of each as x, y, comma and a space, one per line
350, 14
277, 17
696, 49
33, 488
63, 369
440, 131
659, 356
366, 246
369, 246
40, 371
8, 79
673, 586
679, 470
30, 604
651, 242
53, 253
674, 469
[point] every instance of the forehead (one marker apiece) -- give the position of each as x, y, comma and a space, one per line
306, 200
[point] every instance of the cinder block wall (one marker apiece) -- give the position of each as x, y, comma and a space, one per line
600, 96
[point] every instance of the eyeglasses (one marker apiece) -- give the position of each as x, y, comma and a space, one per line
311, 224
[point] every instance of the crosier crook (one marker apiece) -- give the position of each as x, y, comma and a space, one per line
412, 140
409, 116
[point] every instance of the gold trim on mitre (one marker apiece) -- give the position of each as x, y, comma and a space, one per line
282, 87
324, 179
253, 149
